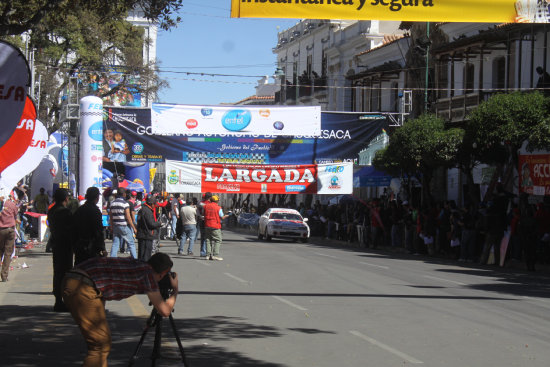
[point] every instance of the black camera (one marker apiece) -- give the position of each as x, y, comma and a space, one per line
165, 286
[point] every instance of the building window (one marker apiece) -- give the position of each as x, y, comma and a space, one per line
295, 72
468, 77
394, 97
374, 98
443, 79
499, 74
354, 97
309, 65
324, 63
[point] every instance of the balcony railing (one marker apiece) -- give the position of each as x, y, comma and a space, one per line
307, 88
457, 108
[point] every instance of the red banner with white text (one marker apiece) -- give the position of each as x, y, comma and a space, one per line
333, 178
534, 174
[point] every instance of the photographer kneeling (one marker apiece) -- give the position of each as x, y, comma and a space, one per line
100, 279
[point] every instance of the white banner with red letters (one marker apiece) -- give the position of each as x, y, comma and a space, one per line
331, 178
172, 119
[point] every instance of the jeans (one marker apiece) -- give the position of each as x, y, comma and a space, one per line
88, 311
468, 244
202, 232
214, 241
190, 232
7, 242
123, 233
174, 224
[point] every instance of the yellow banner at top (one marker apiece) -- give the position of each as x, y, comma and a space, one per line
489, 11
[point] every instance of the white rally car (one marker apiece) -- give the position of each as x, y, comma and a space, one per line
286, 223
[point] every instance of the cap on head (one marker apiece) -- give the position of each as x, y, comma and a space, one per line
214, 198
134, 193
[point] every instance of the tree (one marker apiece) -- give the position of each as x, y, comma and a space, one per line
83, 40
418, 148
498, 127
19, 16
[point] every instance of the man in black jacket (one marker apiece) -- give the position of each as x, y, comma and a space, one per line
60, 223
89, 239
147, 228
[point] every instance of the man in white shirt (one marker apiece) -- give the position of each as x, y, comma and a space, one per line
188, 217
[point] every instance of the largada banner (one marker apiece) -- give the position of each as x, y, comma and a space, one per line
270, 120
490, 11
534, 174
259, 179
343, 135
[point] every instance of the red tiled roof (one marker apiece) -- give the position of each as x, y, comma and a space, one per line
256, 98
388, 40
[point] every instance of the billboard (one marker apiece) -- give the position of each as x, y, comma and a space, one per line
534, 174
343, 135
493, 11
333, 178
233, 120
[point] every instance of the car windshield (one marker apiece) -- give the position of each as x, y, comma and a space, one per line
287, 216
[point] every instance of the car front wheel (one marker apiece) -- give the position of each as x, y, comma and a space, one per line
267, 237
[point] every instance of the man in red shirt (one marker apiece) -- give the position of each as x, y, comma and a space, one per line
100, 279
213, 215
9, 218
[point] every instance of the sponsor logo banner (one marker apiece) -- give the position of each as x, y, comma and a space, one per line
534, 174
257, 179
178, 119
343, 135
490, 11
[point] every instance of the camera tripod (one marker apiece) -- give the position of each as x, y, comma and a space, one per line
156, 320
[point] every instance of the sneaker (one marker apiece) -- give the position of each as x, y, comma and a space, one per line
180, 252
216, 258
210, 257
190, 253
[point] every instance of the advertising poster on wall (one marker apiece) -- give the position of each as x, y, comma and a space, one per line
327, 179
534, 174
343, 135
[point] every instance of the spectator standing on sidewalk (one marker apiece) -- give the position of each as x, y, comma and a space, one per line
122, 224
60, 223
89, 236
200, 209
41, 202
9, 219
213, 215
188, 216
147, 228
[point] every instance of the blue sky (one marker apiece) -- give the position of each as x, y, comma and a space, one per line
209, 41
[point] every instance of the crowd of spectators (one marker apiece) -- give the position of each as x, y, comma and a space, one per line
502, 229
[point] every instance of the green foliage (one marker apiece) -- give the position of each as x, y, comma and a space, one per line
19, 16
85, 39
509, 119
421, 145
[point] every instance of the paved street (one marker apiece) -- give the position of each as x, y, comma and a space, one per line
281, 303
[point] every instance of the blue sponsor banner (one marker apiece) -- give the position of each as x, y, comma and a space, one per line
343, 135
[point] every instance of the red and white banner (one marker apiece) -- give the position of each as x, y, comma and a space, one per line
36, 150
534, 174
14, 79
332, 178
